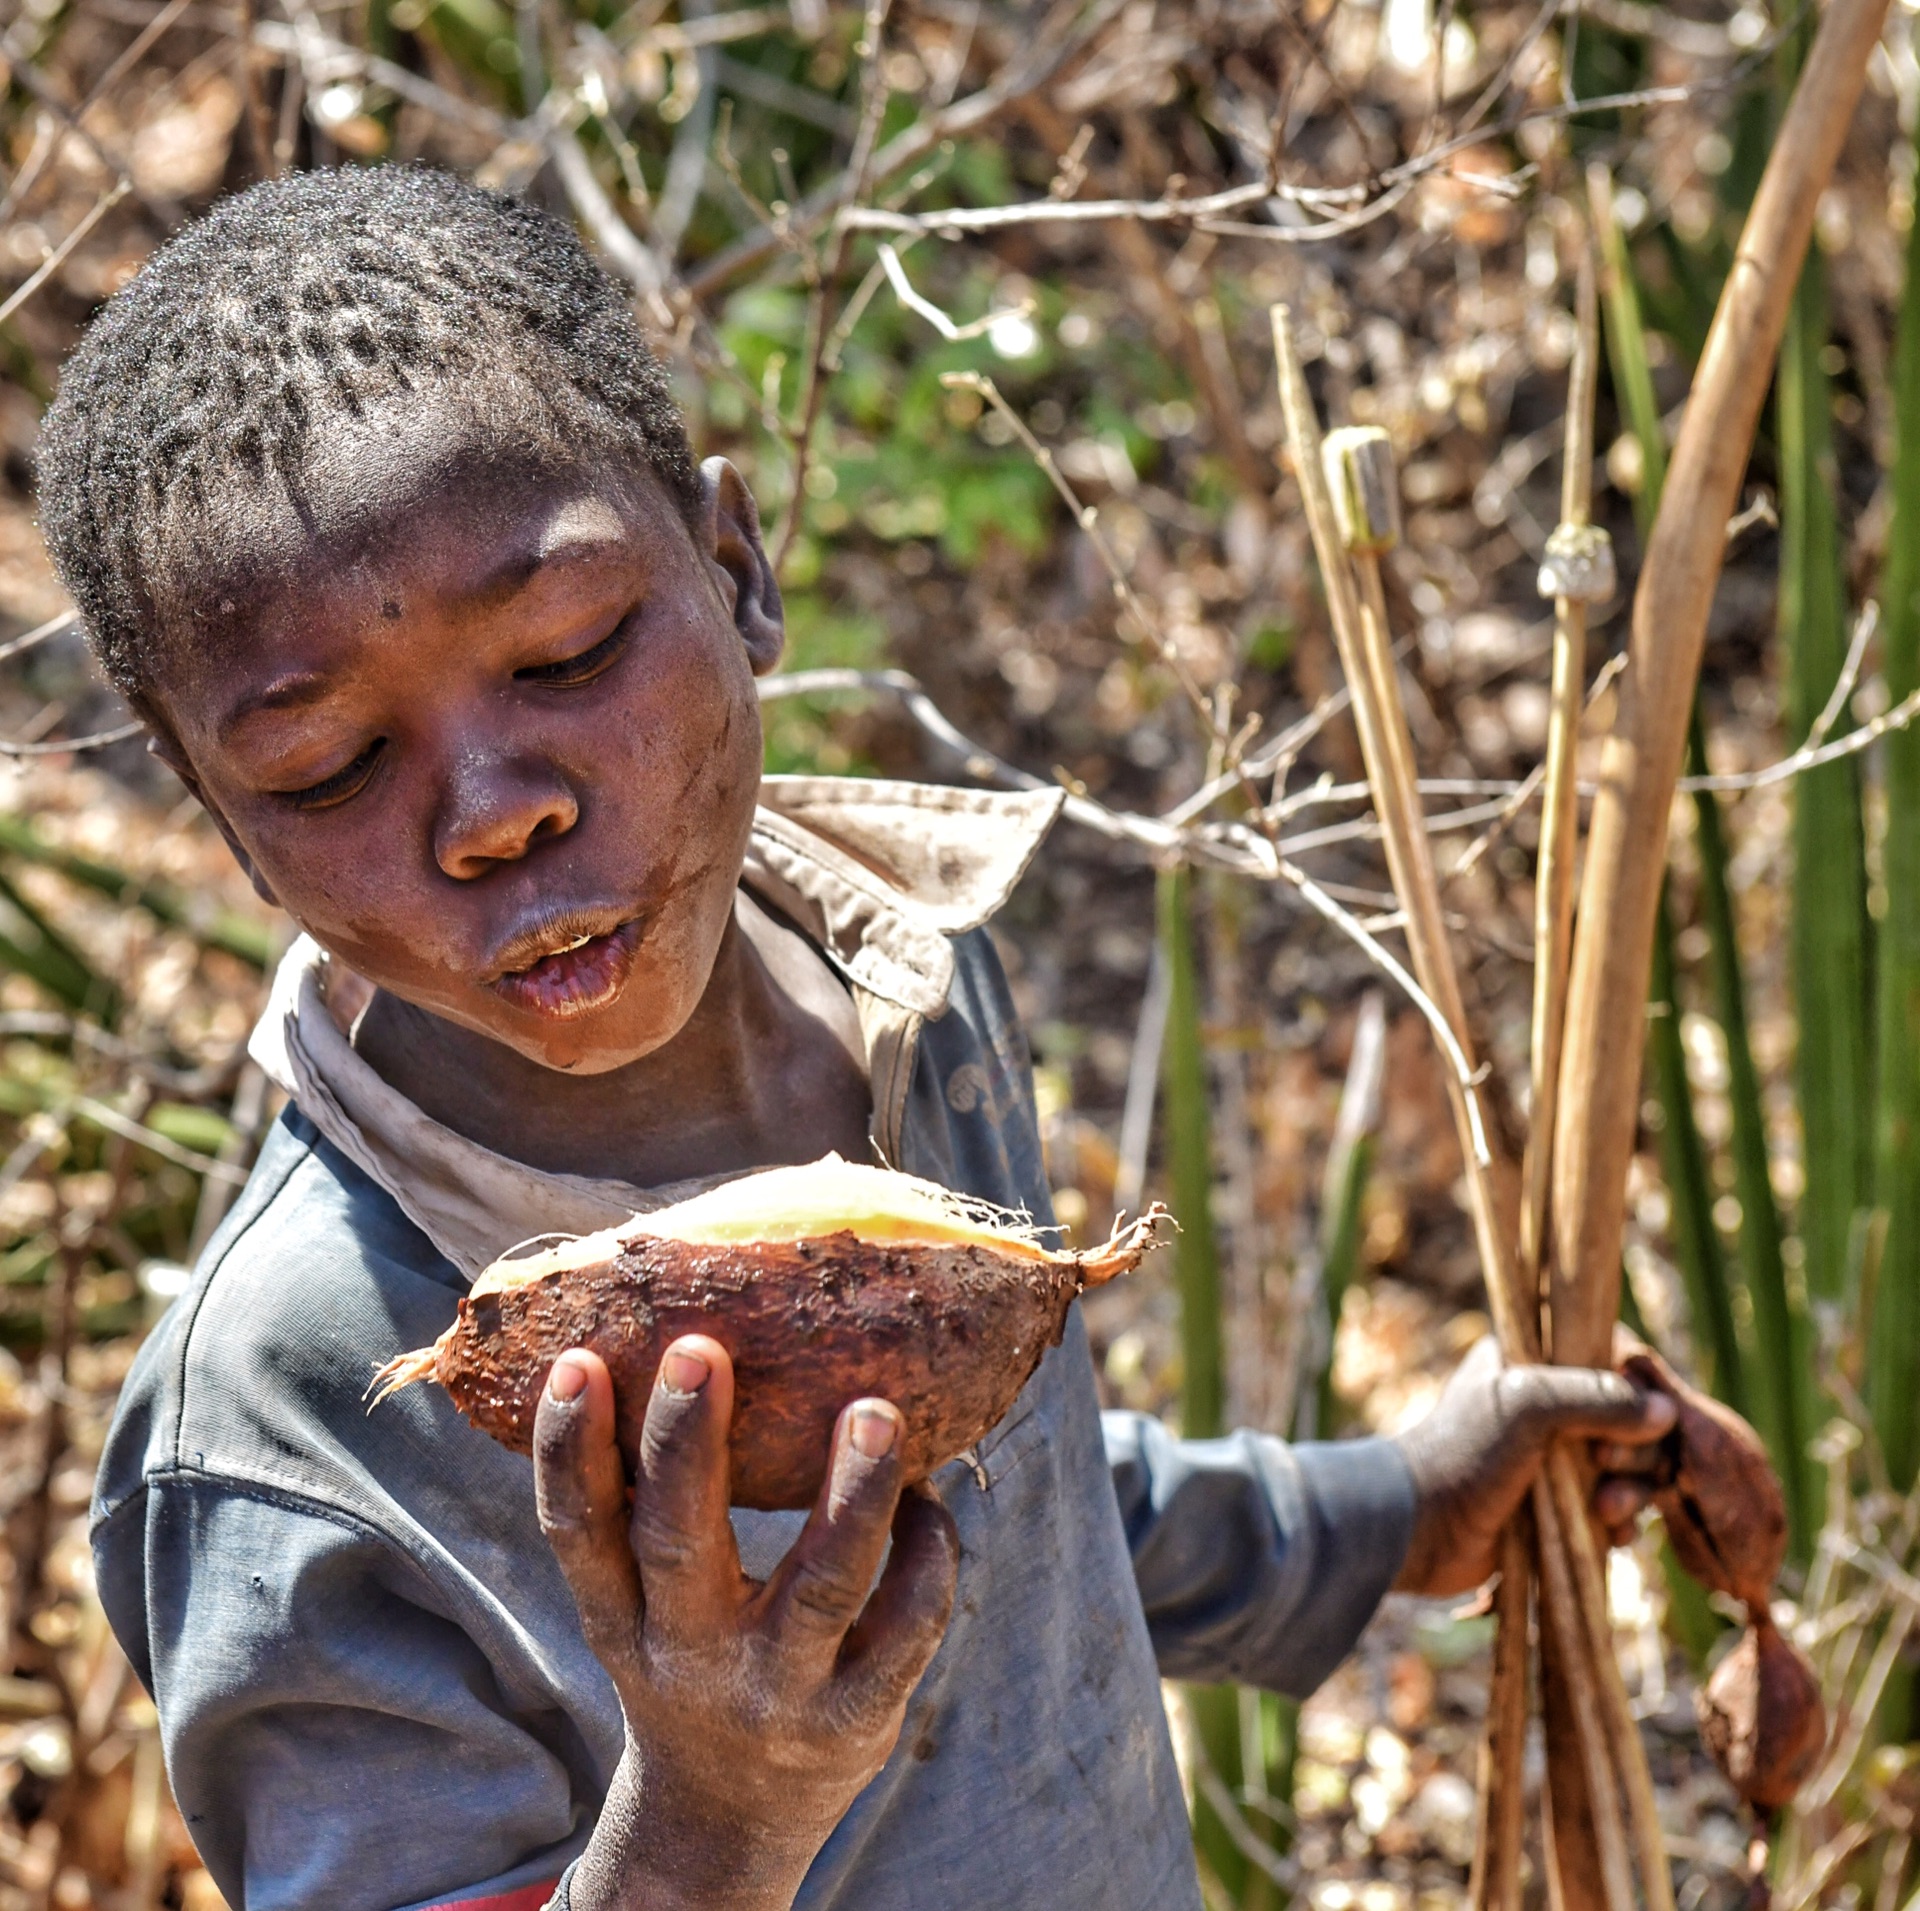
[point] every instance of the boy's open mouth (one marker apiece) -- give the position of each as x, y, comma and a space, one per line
579, 974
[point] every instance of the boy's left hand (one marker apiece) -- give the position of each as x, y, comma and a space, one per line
1475, 1455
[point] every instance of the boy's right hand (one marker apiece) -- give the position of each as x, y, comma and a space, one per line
755, 1713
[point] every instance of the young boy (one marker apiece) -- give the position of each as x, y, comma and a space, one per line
377, 509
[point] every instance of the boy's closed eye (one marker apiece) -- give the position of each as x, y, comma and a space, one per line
583, 666
580, 666
343, 783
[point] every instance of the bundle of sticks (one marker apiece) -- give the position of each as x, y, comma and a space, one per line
1553, 1270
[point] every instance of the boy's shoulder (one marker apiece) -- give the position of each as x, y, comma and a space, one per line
884, 875
257, 1375
954, 852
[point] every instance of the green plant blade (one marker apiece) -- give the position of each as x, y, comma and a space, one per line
1696, 1245
1232, 1727
1831, 948
1892, 1339
215, 928
1783, 1337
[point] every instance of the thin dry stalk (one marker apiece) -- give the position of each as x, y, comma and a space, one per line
1589, 1575
1559, 813
1366, 656
1495, 1883
1598, 1101
1576, 1660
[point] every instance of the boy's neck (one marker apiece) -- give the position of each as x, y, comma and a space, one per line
768, 1070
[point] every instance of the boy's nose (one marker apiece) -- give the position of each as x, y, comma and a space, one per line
496, 814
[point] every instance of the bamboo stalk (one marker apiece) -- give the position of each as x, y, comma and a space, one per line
1495, 1883
1579, 568
1366, 655
1589, 1576
1560, 796
1575, 1659
1598, 1098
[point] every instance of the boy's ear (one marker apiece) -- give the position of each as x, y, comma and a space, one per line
731, 541
161, 743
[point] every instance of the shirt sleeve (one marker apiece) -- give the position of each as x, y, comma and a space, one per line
335, 1740
1258, 1563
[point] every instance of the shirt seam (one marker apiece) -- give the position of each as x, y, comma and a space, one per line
268, 1195
459, 1609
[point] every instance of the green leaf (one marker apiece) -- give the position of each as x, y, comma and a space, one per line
1892, 1338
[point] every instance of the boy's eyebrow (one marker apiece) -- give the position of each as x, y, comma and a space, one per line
561, 545
293, 692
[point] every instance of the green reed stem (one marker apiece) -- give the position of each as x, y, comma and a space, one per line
1892, 1336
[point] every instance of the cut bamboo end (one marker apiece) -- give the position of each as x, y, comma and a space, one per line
1578, 565
1365, 486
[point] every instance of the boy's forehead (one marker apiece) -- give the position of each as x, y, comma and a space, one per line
444, 508
380, 488
381, 522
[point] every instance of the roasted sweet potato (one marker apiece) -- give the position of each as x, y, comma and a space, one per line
1761, 1716
824, 1283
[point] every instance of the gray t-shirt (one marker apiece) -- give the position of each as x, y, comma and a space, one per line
372, 1685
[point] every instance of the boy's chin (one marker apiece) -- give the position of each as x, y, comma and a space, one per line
599, 1042
575, 1047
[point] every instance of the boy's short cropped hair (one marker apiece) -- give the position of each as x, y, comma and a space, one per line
188, 413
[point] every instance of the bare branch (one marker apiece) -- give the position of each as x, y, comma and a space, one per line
63, 746
59, 255
1863, 628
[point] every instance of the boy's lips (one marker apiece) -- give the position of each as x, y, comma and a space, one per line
574, 974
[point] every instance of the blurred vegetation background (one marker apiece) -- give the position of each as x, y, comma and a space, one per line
838, 222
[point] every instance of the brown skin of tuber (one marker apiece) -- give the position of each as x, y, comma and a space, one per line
1762, 1718
1724, 1511
949, 1334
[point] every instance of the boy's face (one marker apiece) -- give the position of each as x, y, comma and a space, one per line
499, 753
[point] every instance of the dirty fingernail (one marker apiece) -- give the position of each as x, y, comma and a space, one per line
683, 1371
873, 1431
568, 1380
